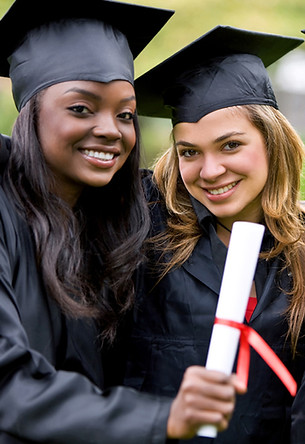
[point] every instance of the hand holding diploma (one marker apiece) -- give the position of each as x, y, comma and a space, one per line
205, 397
241, 261
243, 251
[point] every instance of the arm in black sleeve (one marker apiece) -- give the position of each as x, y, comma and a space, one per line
39, 404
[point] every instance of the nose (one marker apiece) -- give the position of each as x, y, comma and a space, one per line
106, 126
212, 167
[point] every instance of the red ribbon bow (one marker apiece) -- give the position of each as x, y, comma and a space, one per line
248, 337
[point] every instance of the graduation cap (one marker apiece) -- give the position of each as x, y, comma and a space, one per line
43, 43
224, 67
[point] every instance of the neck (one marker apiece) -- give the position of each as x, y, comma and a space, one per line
223, 226
223, 233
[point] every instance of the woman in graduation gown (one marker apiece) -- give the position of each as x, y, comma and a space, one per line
234, 157
72, 221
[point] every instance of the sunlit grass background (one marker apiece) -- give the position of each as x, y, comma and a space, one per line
191, 20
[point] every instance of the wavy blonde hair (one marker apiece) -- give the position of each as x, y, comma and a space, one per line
283, 214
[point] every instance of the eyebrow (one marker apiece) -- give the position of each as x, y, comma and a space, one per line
128, 99
228, 135
96, 96
184, 143
217, 140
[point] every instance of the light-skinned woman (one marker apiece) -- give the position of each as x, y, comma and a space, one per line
234, 157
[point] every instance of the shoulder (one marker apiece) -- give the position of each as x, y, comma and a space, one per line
5, 147
14, 228
156, 204
151, 191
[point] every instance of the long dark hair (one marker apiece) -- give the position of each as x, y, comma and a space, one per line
86, 255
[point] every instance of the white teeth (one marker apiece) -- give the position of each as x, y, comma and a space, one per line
99, 155
223, 190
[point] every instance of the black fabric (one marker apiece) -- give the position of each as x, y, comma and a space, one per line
137, 22
222, 68
173, 322
69, 50
5, 148
237, 79
51, 375
37, 50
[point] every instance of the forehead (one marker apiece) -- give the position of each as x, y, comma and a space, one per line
116, 90
232, 117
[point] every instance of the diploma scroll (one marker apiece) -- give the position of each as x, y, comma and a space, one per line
241, 261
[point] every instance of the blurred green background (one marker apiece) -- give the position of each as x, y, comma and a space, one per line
191, 20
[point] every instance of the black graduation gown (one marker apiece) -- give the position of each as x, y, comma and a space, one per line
173, 321
50, 368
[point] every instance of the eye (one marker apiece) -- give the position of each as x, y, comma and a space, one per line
127, 115
79, 109
188, 153
231, 146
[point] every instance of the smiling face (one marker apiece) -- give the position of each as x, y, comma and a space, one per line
223, 164
86, 130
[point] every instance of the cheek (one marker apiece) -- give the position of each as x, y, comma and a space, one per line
128, 137
188, 171
258, 163
53, 130
132, 138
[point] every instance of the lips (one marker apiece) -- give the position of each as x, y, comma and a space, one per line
221, 190
101, 155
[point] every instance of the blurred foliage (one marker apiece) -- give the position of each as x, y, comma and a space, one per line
195, 17
8, 111
191, 20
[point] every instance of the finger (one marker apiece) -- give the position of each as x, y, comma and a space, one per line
208, 388
239, 386
198, 402
206, 376
198, 418
210, 375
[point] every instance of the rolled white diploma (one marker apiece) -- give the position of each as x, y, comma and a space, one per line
238, 275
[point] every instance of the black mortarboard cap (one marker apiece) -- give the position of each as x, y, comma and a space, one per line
43, 43
224, 67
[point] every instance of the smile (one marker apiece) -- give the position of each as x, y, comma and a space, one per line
217, 191
99, 155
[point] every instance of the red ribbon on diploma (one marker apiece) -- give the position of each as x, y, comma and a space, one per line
248, 337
